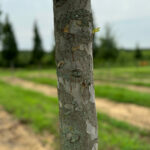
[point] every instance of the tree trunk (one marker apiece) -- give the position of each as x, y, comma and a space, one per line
12, 68
74, 59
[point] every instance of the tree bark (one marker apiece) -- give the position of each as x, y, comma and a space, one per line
74, 59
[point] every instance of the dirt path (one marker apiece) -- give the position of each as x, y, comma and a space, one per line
133, 114
15, 136
130, 87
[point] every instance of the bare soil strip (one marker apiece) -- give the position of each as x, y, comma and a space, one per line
15, 136
133, 114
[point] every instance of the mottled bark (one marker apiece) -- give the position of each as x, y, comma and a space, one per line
74, 59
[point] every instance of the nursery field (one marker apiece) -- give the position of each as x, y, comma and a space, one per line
120, 86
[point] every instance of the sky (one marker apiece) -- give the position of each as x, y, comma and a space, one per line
129, 19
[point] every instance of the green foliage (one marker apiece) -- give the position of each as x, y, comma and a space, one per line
24, 58
138, 53
38, 51
52, 57
9, 44
107, 50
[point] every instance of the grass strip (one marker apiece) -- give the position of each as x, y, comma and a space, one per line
41, 113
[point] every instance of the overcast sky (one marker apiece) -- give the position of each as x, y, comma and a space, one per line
130, 20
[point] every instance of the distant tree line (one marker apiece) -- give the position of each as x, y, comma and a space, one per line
11, 56
105, 51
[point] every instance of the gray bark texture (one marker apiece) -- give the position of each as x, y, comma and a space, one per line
74, 59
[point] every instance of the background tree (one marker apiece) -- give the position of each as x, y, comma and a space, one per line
9, 44
52, 56
138, 53
108, 48
74, 59
38, 51
0, 28
95, 46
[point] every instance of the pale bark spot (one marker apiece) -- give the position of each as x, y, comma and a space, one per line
60, 64
60, 104
69, 136
95, 147
57, 83
92, 93
88, 6
91, 130
74, 27
90, 45
87, 48
60, 81
69, 106
76, 93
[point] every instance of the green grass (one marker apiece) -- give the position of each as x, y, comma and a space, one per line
30, 107
117, 135
114, 93
139, 83
27, 72
123, 95
41, 113
42, 80
125, 82
124, 75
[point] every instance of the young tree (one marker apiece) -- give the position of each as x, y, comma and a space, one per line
95, 46
9, 44
38, 51
138, 54
52, 56
74, 60
108, 49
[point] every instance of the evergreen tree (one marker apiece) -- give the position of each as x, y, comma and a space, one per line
9, 44
108, 48
38, 51
95, 46
52, 56
138, 53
